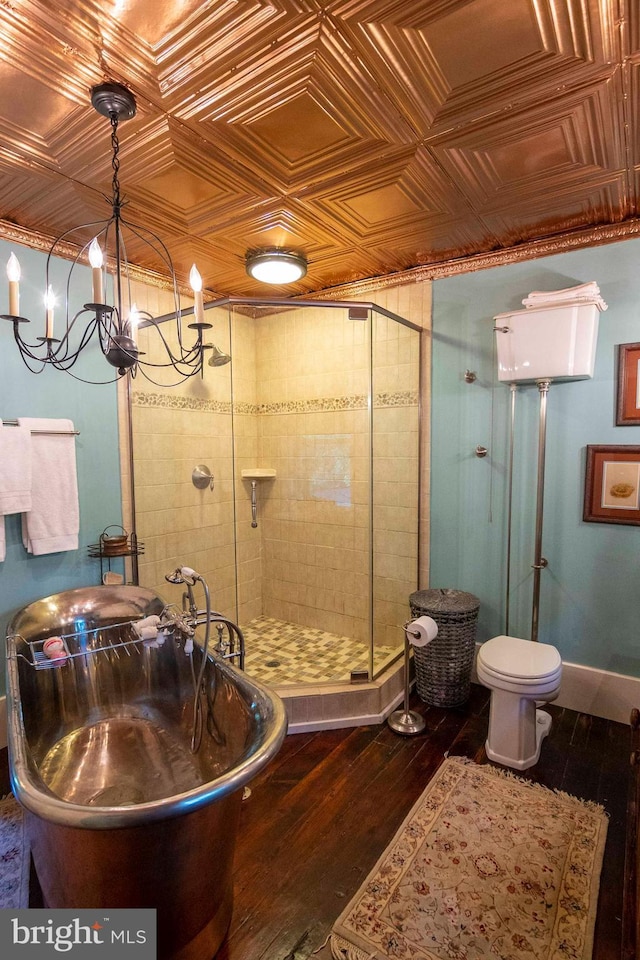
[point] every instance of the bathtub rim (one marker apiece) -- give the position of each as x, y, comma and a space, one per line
38, 799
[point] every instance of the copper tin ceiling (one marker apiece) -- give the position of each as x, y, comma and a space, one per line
374, 135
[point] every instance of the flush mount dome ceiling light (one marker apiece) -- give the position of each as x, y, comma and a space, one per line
276, 265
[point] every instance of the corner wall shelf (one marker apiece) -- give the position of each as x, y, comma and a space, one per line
254, 474
259, 473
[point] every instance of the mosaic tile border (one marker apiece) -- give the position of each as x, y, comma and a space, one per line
173, 401
401, 398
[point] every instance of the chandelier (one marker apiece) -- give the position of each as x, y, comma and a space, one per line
113, 326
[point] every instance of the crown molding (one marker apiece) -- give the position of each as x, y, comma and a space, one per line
562, 243
549, 246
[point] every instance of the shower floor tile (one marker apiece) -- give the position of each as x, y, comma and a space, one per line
278, 652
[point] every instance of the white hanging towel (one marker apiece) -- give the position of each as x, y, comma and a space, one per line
15, 469
15, 474
53, 523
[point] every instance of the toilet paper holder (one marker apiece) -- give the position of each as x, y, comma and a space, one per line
405, 721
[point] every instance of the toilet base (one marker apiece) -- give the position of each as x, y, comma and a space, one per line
542, 728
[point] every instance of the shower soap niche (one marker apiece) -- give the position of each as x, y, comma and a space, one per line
549, 342
258, 473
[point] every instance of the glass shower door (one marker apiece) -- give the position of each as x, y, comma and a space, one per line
395, 421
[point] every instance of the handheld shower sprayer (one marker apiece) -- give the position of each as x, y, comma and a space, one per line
189, 577
183, 575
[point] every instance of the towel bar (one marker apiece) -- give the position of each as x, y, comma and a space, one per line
47, 433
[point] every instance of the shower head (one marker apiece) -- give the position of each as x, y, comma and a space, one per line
218, 358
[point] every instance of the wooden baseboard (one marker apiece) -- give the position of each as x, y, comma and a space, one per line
597, 692
583, 689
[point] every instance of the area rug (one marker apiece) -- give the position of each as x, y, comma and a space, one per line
486, 865
14, 856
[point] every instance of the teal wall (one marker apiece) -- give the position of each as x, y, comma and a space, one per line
590, 593
93, 410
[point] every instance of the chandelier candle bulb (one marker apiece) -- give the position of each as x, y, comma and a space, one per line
96, 260
49, 302
13, 274
196, 285
134, 322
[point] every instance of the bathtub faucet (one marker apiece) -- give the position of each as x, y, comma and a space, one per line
231, 647
189, 577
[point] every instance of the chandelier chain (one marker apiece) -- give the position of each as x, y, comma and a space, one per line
115, 160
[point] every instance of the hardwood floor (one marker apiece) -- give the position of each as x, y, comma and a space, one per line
324, 810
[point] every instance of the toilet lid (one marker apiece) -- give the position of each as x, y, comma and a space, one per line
524, 683
519, 659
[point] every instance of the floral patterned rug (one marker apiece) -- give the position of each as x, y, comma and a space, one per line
486, 865
14, 856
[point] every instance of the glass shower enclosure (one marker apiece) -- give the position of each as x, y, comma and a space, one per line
288, 476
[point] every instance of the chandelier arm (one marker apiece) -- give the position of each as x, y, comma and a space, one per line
107, 327
91, 327
66, 360
193, 363
183, 377
158, 246
25, 347
186, 357
27, 355
62, 353
80, 227
98, 383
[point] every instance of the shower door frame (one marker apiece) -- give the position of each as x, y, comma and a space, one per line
301, 303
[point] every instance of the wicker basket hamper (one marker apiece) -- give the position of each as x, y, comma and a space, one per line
443, 667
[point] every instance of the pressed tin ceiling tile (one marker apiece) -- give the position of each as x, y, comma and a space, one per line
374, 135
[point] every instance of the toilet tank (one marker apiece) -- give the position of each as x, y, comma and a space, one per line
552, 342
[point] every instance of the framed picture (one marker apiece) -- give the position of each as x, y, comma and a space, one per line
628, 406
612, 484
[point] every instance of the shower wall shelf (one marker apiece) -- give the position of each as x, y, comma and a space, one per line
254, 474
258, 473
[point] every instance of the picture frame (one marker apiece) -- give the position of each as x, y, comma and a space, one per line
612, 484
628, 400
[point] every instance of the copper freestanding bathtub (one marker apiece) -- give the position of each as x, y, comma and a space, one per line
122, 810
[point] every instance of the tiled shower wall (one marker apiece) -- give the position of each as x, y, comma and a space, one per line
300, 389
174, 430
312, 367
314, 431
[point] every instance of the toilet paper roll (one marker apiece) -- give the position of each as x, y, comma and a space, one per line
422, 631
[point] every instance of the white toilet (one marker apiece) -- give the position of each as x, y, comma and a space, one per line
518, 673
